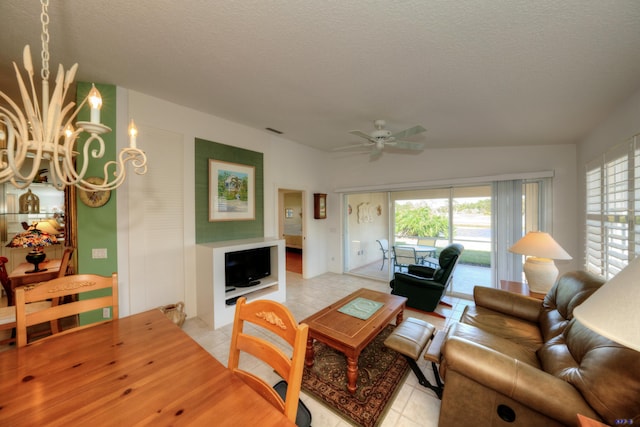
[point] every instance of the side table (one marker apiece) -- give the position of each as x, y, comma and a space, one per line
519, 288
20, 277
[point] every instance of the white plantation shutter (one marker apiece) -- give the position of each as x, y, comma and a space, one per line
612, 203
594, 256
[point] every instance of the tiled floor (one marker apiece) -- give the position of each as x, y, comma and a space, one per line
414, 405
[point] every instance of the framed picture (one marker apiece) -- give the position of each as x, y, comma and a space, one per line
288, 213
319, 206
231, 191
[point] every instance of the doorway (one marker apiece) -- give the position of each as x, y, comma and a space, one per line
291, 227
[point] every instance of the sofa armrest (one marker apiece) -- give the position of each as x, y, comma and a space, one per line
505, 302
421, 270
409, 280
524, 383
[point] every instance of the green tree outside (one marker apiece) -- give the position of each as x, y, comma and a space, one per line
420, 221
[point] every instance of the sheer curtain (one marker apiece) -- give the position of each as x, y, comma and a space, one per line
520, 206
507, 228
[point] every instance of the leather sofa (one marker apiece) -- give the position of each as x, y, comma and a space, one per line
513, 360
424, 286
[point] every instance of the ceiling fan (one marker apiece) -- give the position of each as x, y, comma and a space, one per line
380, 138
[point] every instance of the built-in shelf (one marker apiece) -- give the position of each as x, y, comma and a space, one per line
214, 303
51, 202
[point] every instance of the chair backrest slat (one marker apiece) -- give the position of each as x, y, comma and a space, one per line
65, 261
58, 288
274, 318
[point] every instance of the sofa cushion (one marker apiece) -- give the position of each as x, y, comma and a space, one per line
607, 374
517, 330
490, 340
569, 291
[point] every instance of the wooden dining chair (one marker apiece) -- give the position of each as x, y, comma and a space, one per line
65, 262
8, 317
4, 279
59, 288
272, 318
8, 313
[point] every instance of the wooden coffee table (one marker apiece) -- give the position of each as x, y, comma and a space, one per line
349, 334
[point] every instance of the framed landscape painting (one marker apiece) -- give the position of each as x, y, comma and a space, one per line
231, 191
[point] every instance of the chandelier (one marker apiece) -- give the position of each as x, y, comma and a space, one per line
41, 136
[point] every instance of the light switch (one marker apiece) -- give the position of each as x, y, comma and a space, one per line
100, 253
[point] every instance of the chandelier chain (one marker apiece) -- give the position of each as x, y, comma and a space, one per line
44, 19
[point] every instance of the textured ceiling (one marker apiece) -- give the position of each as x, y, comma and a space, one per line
474, 73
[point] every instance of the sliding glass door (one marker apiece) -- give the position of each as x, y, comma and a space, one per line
445, 216
485, 218
367, 234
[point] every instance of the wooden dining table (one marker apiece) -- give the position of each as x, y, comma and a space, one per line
49, 269
136, 370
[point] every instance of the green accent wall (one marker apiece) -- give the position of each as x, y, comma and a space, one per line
217, 231
97, 227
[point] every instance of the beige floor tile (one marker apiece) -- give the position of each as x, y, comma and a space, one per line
413, 405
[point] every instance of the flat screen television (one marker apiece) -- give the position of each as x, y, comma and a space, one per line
246, 268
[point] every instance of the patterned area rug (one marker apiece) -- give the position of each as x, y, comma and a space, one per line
380, 372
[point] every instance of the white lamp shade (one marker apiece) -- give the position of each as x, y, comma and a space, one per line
539, 244
612, 311
539, 269
47, 227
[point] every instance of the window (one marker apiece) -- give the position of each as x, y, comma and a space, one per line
612, 206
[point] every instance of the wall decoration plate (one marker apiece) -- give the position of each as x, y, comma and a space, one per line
94, 199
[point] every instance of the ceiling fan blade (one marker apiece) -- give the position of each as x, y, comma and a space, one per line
406, 145
359, 146
360, 134
409, 132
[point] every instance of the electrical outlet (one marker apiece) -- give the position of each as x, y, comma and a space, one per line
106, 312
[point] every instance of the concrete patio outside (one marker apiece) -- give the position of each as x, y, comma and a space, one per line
465, 277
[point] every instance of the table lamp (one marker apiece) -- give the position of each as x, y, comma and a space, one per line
612, 311
36, 240
48, 227
539, 268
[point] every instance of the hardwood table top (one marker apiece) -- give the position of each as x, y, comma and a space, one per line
348, 332
136, 370
19, 275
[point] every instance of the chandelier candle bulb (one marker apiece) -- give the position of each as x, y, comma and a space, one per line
133, 133
95, 101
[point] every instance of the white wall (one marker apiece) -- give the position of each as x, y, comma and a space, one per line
623, 123
451, 165
293, 166
363, 233
286, 165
